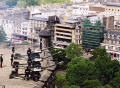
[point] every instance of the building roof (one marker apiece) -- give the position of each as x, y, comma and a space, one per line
44, 33
113, 4
109, 35
39, 19
17, 16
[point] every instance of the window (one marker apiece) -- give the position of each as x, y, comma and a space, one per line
31, 30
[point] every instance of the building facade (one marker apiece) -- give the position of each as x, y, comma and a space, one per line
64, 34
112, 7
112, 43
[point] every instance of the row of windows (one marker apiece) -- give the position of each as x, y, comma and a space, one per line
25, 33
77, 36
113, 9
112, 42
24, 28
80, 8
78, 41
112, 36
77, 31
117, 27
64, 40
113, 48
63, 35
63, 31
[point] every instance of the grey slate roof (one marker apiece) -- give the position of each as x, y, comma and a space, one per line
44, 33
111, 33
18, 16
113, 4
39, 19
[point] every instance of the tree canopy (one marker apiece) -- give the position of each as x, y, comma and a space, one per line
73, 50
100, 73
2, 34
72, 86
58, 55
79, 70
25, 3
60, 80
11, 3
98, 52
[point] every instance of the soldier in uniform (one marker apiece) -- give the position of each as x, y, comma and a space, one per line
27, 73
1, 61
13, 49
16, 69
29, 62
12, 57
29, 52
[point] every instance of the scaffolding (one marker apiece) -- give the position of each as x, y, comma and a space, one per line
92, 35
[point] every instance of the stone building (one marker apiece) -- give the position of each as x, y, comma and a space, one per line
112, 7
97, 8
67, 32
108, 22
45, 36
112, 43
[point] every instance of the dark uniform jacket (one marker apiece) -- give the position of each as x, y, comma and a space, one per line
1, 59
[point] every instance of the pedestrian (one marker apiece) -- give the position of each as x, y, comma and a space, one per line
13, 49
29, 53
1, 60
12, 57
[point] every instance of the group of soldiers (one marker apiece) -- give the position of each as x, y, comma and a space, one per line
28, 72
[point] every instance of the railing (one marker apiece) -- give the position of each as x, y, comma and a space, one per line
2, 86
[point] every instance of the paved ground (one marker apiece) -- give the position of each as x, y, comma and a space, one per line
6, 70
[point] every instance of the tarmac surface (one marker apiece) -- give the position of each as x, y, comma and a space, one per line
6, 70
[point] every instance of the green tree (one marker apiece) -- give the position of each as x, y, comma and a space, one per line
106, 86
73, 50
106, 68
58, 55
60, 80
91, 84
11, 3
21, 3
79, 70
72, 86
98, 52
115, 82
52, 1
31, 2
2, 34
